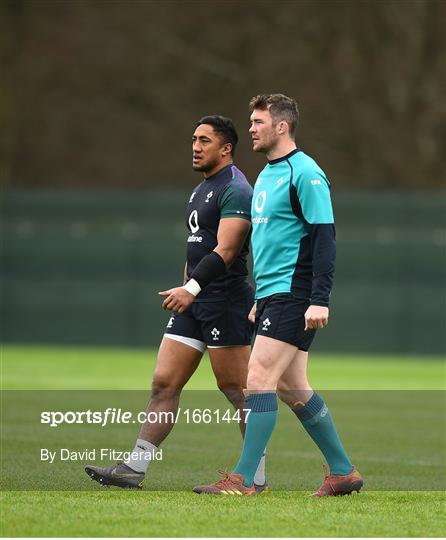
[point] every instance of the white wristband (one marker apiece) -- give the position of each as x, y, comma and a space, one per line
192, 287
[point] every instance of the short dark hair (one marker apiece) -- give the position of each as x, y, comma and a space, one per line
281, 107
224, 127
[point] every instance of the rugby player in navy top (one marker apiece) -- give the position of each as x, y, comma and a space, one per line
210, 310
293, 242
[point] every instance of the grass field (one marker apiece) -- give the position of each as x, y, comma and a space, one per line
387, 415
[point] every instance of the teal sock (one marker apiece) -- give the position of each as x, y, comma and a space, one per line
259, 427
317, 421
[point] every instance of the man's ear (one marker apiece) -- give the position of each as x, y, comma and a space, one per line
227, 149
283, 127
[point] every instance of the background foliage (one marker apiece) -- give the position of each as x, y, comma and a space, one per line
106, 93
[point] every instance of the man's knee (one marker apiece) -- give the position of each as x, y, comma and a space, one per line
232, 391
164, 387
260, 378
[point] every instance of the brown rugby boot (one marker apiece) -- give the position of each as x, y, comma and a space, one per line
335, 484
230, 484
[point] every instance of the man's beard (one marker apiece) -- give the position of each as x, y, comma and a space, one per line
261, 150
270, 145
266, 146
205, 167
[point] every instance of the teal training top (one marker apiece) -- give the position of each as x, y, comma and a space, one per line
293, 235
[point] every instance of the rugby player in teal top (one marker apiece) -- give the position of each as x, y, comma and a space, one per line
293, 241
210, 310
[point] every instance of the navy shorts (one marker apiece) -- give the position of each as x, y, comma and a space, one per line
282, 317
216, 323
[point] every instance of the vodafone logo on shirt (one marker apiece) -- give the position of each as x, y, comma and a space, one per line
193, 221
260, 201
193, 224
259, 205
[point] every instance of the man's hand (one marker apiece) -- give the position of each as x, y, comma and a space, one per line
178, 299
252, 313
316, 317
